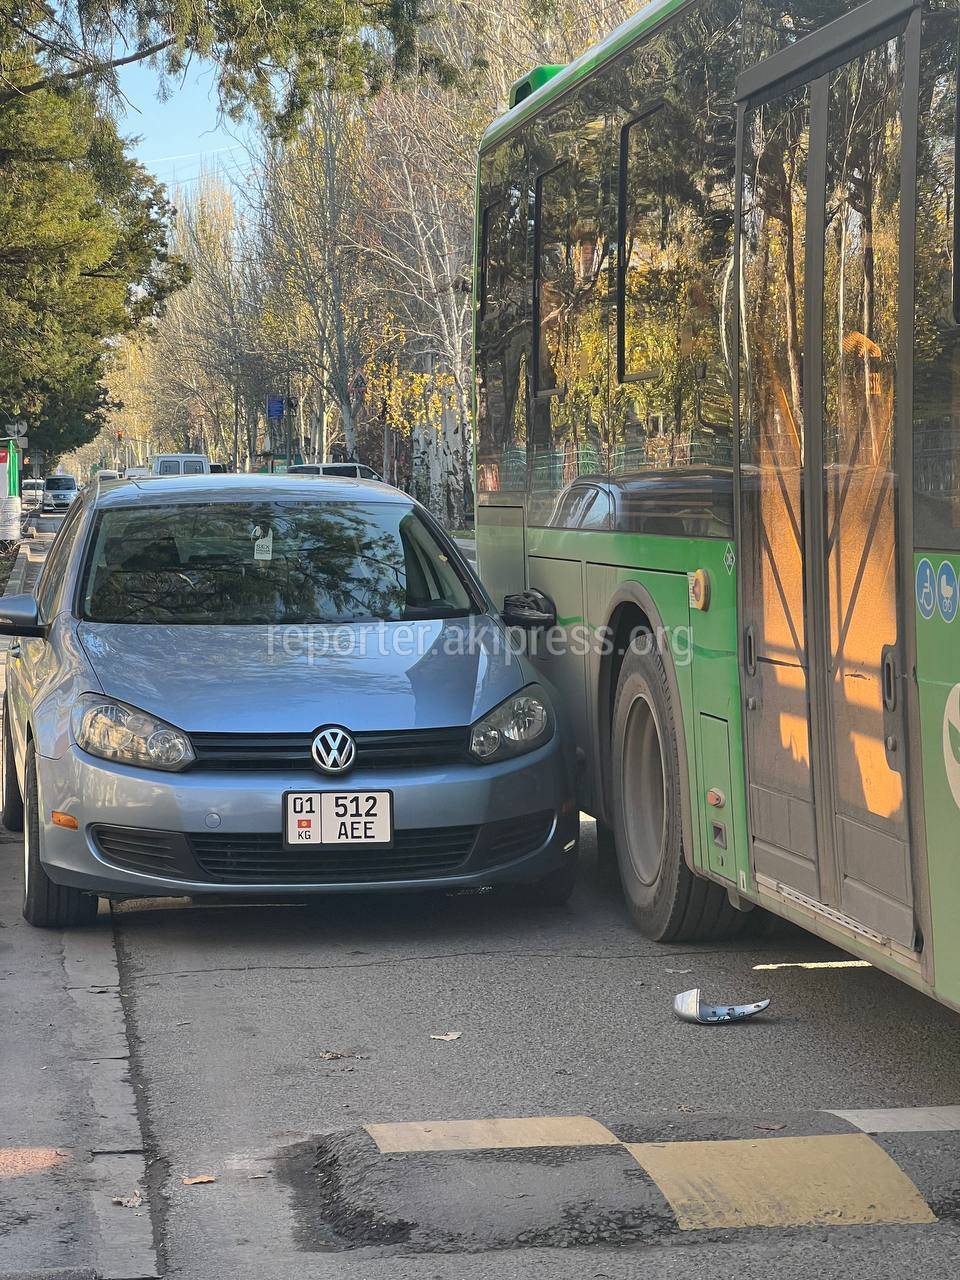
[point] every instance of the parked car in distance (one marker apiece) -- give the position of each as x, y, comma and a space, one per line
58, 493
348, 470
337, 707
218, 468
178, 464
31, 494
105, 474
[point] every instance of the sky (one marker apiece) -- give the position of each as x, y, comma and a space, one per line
182, 137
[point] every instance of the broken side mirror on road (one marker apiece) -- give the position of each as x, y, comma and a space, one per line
689, 1006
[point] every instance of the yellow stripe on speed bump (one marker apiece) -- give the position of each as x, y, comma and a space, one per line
478, 1135
836, 1180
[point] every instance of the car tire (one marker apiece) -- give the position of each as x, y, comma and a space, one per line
11, 811
46, 905
665, 900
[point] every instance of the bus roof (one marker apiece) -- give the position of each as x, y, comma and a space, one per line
650, 14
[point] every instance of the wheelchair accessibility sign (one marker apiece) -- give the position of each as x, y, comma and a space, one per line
927, 589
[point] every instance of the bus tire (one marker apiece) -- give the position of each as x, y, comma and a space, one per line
666, 901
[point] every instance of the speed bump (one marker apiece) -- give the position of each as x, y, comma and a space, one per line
833, 1180
491, 1135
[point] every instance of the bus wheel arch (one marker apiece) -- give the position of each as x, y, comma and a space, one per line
632, 610
647, 786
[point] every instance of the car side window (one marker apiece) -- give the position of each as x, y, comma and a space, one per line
53, 570
169, 467
193, 468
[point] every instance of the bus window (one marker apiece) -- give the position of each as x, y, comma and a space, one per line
502, 324
571, 256
671, 402
936, 358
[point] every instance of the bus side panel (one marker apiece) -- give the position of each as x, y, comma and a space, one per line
938, 673
716, 697
501, 550
564, 663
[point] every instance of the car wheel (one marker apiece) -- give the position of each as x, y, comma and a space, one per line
666, 901
11, 812
45, 904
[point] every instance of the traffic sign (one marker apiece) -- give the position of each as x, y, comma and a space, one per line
359, 384
274, 407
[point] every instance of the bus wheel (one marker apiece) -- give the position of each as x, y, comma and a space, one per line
667, 902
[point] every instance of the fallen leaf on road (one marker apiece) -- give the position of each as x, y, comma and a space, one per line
197, 1180
254, 1177
448, 1035
129, 1202
679, 971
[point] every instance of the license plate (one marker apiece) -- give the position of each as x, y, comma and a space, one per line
332, 818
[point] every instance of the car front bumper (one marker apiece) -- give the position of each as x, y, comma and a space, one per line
143, 833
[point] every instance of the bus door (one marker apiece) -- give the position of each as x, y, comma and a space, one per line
821, 160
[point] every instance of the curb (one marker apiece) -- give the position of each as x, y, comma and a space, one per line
117, 1168
68, 1273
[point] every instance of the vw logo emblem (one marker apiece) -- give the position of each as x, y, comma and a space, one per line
334, 750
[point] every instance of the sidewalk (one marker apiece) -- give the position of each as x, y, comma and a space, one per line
70, 1141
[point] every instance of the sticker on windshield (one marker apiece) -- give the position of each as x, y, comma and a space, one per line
947, 591
951, 741
926, 589
263, 544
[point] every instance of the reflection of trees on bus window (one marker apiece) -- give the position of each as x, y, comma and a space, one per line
503, 329
569, 409
936, 370
671, 404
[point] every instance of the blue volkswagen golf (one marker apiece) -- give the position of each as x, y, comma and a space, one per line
293, 684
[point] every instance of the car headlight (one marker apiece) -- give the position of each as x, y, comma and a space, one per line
114, 731
521, 724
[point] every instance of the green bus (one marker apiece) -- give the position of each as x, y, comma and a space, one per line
717, 354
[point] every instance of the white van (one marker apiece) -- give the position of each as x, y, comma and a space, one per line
178, 464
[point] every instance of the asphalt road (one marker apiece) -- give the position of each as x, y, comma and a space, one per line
265, 1037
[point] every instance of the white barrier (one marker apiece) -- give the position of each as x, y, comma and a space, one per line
9, 519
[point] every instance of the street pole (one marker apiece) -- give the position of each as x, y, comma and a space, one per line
286, 406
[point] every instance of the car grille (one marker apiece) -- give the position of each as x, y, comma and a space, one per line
415, 854
390, 749
215, 857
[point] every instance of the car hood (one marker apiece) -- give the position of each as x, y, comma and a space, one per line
220, 679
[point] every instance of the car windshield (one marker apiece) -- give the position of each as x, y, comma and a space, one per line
60, 483
269, 562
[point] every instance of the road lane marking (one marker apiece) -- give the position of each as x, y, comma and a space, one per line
835, 1180
487, 1135
903, 1119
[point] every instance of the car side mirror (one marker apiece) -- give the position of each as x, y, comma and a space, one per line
20, 616
530, 610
